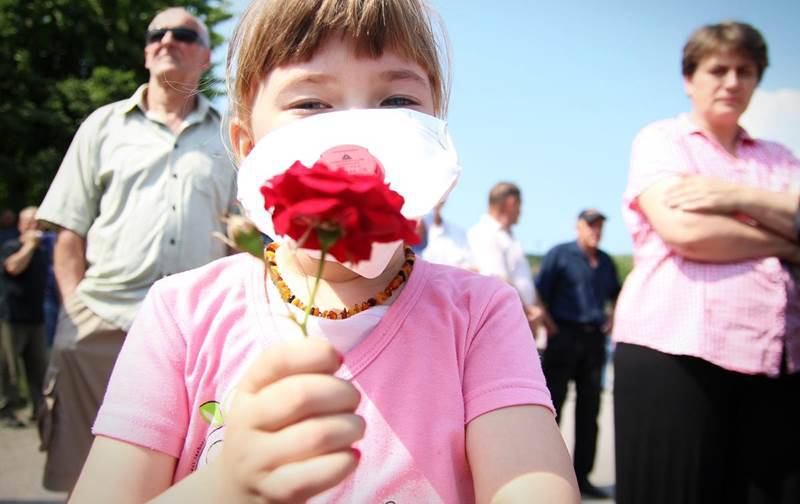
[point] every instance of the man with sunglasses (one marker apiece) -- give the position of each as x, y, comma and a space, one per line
137, 197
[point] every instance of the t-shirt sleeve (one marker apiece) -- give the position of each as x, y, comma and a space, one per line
656, 155
146, 402
502, 365
72, 200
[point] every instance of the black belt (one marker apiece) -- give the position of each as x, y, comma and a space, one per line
580, 327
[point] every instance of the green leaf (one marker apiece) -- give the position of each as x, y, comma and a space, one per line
250, 242
212, 413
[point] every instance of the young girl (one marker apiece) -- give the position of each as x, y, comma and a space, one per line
435, 395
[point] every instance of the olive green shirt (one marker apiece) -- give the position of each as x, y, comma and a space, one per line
146, 200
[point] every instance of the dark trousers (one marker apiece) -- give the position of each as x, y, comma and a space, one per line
577, 353
688, 431
26, 342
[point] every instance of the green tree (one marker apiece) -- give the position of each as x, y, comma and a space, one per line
60, 60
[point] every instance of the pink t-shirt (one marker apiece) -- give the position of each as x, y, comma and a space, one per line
737, 315
453, 345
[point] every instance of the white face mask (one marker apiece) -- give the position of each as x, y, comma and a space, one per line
414, 149
379, 258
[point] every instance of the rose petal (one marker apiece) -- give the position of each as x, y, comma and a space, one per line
365, 209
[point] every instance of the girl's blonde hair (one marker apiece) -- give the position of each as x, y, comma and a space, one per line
276, 32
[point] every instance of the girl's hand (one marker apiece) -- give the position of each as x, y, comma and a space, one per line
291, 426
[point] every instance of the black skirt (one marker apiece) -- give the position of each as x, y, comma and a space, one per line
687, 431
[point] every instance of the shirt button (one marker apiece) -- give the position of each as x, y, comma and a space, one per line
174, 175
172, 241
176, 145
173, 208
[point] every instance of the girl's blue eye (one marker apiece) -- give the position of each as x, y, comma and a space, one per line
398, 101
310, 105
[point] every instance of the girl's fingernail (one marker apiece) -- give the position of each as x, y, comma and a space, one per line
356, 454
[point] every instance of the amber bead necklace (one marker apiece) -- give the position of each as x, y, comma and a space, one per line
379, 298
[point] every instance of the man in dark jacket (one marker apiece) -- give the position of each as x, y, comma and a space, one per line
576, 284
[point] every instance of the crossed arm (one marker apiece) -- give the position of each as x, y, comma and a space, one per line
703, 219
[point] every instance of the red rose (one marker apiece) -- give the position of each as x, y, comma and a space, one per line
356, 210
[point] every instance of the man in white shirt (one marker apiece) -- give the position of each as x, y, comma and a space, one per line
496, 252
447, 243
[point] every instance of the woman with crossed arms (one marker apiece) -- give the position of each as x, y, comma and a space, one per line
708, 324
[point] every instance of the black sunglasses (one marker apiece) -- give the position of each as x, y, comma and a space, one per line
180, 34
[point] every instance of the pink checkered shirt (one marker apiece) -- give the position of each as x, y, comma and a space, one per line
740, 316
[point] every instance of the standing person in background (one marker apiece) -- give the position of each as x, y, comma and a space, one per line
447, 243
575, 284
708, 324
496, 252
22, 333
137, 198
8, 231
52, 301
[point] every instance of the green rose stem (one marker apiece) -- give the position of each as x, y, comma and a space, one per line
327, 235
307, 311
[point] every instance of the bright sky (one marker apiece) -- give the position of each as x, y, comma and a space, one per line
549, 95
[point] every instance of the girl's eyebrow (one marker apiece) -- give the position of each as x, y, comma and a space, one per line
404, 74
307, 78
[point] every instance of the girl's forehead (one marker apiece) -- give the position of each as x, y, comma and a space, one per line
336, 57
344, 50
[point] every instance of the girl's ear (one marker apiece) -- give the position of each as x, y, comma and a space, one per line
241, 139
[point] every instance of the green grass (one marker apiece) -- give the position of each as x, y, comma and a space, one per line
624, 264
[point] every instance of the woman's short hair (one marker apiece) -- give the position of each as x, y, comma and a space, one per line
276, 32
729, 36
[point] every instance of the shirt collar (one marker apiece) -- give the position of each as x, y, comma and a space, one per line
204, 107
197, 115
491, 223
576, 249
136, 100
690, 128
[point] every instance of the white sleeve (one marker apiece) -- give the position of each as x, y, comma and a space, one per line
488, 255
